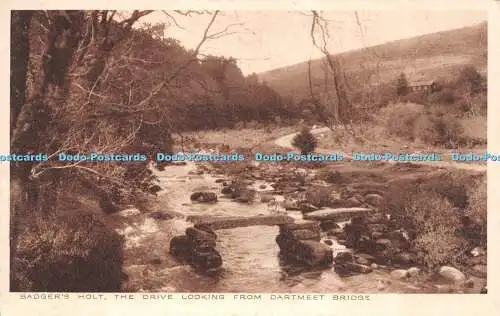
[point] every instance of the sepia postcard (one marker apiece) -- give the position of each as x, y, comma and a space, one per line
236, 157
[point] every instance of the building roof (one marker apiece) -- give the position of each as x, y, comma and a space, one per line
421, 83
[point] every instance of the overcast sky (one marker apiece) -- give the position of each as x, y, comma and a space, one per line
264, 40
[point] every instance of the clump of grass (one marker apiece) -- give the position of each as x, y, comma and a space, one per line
68, 252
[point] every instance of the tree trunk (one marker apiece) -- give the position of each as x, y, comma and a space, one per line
19, 58
30, 121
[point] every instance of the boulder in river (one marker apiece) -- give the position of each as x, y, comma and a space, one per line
200, 233
227, 190
206, 260
204, 197
161, 216
301, 241
374, 199
338, 214
246, 196
328, 225
180, 247
336, 232
265, 198
300, 224
314, 253
414, 271
344, 256
351, 268
451, 274
365, 259
399, 274
154, 189
306, 207
303, 234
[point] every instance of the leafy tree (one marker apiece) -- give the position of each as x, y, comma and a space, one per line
402, 85
471, 80
305, 141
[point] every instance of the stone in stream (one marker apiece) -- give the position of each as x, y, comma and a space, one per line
451, 274
328, 225
336, 232
227, 190
204, 197
399, 274
314, 253
227, 222
200, 239
286, 244
365, 259
246, 196
206, 260
180, 247
328, 242
339, 214
161, 216
306, 207
200, 233
350, 268
310, 225
344, 256
303, 234
264, 198
207, 230
374, 199
154, 189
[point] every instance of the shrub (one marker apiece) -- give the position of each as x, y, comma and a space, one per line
439, 130
401, 118
305, 141
470, 79
68, 253
444, 96
477, 211
401, 85
415, 97
434, 224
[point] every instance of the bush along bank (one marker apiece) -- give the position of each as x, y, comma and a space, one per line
423, 231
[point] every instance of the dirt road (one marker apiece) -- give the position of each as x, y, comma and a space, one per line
286, 142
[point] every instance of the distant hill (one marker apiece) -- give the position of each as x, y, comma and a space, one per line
429, 57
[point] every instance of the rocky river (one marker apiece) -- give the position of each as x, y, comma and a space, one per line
251, 260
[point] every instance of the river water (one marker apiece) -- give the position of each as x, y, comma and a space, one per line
250, 255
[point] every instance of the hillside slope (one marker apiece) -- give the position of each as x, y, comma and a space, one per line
431, 56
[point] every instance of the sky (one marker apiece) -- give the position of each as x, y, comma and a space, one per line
265, 40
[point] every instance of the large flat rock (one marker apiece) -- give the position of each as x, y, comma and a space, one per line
301, 224
227, 222
338, 214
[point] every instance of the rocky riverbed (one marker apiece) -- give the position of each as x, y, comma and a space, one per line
370, 253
